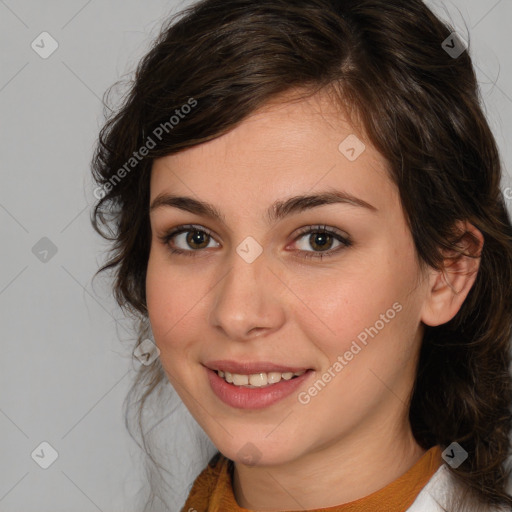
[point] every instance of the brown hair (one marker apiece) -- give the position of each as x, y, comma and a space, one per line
419, 106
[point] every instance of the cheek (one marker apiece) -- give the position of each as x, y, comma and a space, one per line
367, 312
338, 306
177, 307
158, 298
166, 301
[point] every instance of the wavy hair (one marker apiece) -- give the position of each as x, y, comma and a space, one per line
419, 106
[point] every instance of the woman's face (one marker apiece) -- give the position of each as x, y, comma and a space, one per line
251, 295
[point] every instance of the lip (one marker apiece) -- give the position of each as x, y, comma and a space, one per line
240, 397
248, 368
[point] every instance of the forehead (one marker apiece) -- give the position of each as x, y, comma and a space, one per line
288, 147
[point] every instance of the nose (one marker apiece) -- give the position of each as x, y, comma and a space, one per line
247, 301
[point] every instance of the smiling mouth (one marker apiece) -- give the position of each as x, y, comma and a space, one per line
257, 380
255, 384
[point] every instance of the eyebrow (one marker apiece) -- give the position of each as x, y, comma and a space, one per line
278, 210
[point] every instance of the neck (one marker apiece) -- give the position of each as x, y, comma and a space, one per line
338, 472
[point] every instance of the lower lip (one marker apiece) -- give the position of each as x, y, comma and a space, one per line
253, 398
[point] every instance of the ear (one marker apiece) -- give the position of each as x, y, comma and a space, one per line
449, 287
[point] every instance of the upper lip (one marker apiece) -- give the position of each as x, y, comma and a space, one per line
248, 368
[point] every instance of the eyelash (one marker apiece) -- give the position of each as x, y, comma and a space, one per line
319, 229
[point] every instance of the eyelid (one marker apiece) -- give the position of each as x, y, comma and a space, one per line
183, 228
342, 237
313, 228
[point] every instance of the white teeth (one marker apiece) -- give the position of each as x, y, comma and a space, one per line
257, 380
240, 380
273, 377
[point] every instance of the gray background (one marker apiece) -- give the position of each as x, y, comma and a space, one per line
66, 350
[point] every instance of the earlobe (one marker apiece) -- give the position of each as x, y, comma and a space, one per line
449, 287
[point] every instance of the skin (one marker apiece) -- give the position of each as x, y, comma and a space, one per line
291, 310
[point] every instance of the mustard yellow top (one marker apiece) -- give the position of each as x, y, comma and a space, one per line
212, 490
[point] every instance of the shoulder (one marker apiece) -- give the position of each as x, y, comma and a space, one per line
435, 496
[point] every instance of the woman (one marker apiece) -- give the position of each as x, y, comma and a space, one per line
308, 218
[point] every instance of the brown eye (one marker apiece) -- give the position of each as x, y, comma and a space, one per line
321, 240
191, 239
197, 237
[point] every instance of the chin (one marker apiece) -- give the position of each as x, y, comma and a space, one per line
250, 452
